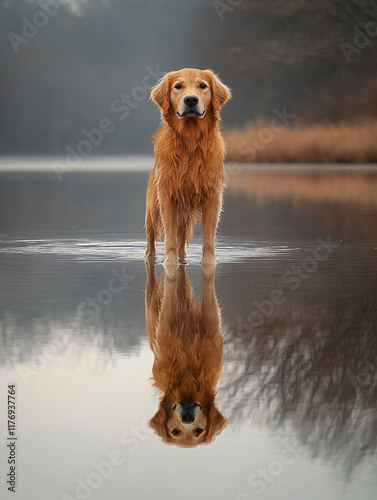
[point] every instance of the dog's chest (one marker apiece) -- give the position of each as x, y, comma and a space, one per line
191, 187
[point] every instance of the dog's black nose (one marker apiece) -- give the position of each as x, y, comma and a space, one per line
191, 100
187, 418
187, 413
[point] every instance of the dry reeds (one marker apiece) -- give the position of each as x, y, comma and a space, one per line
342, 143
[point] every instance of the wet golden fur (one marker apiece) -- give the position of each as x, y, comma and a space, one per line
186, 182
187, 343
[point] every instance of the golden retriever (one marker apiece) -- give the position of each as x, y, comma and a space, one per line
186, 182
187, 343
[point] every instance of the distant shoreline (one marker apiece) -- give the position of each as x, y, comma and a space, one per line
144, 163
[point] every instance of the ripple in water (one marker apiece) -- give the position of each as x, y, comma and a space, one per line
134, 249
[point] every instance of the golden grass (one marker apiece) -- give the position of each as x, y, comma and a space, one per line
342, 143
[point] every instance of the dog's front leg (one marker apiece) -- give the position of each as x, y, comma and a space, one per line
169, 300
153, 298
169, 220
210, 218
210, 308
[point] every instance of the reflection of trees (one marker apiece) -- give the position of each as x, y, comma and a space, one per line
313, 368
113, 335
39, 300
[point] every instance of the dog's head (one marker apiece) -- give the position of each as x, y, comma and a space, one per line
187, 424
190, 94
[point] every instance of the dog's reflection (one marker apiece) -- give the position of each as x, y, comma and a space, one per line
187, 343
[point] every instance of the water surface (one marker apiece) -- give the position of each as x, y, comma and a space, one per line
296, 284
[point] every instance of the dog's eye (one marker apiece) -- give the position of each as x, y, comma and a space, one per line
203, 86
175, 432
198, 431
178, 86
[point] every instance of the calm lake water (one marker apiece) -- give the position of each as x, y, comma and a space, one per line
296, 284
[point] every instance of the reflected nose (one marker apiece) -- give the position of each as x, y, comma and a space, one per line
187, 418
187, 412
191, 100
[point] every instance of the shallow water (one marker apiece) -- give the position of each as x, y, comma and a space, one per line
296, 284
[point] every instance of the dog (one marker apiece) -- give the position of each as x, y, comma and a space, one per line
186, 183
187, 343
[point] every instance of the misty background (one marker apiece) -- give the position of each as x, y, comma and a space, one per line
94, 60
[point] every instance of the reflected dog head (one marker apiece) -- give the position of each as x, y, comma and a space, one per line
188, 424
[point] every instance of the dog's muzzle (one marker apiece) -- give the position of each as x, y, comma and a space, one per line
187, 413
190, 107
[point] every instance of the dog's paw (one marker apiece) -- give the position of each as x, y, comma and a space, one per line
209, 273
150, 253
208, 262
171, 260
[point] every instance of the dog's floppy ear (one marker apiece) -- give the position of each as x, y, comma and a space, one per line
158, 423
161, 92
220, 92
216, 423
